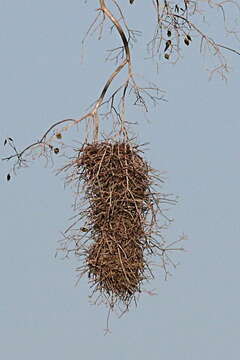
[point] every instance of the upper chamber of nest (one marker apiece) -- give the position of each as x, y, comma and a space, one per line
120, 218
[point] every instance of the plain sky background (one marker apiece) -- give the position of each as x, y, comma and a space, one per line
194, 137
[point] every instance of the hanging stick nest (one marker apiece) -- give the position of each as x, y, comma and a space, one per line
120, 218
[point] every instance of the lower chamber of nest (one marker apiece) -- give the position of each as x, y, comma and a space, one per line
117, 183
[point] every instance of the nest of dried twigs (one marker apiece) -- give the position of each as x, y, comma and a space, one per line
120, 218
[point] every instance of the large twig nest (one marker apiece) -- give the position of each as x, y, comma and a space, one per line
121, 218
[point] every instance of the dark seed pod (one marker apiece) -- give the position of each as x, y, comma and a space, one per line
186, 41
8, 177
56, 150
83, 229
168, 43
169, 33
189, 37
58, 135
166, 56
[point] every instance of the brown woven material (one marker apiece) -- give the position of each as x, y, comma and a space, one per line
120, 217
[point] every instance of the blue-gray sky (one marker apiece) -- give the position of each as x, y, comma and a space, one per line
194, 137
